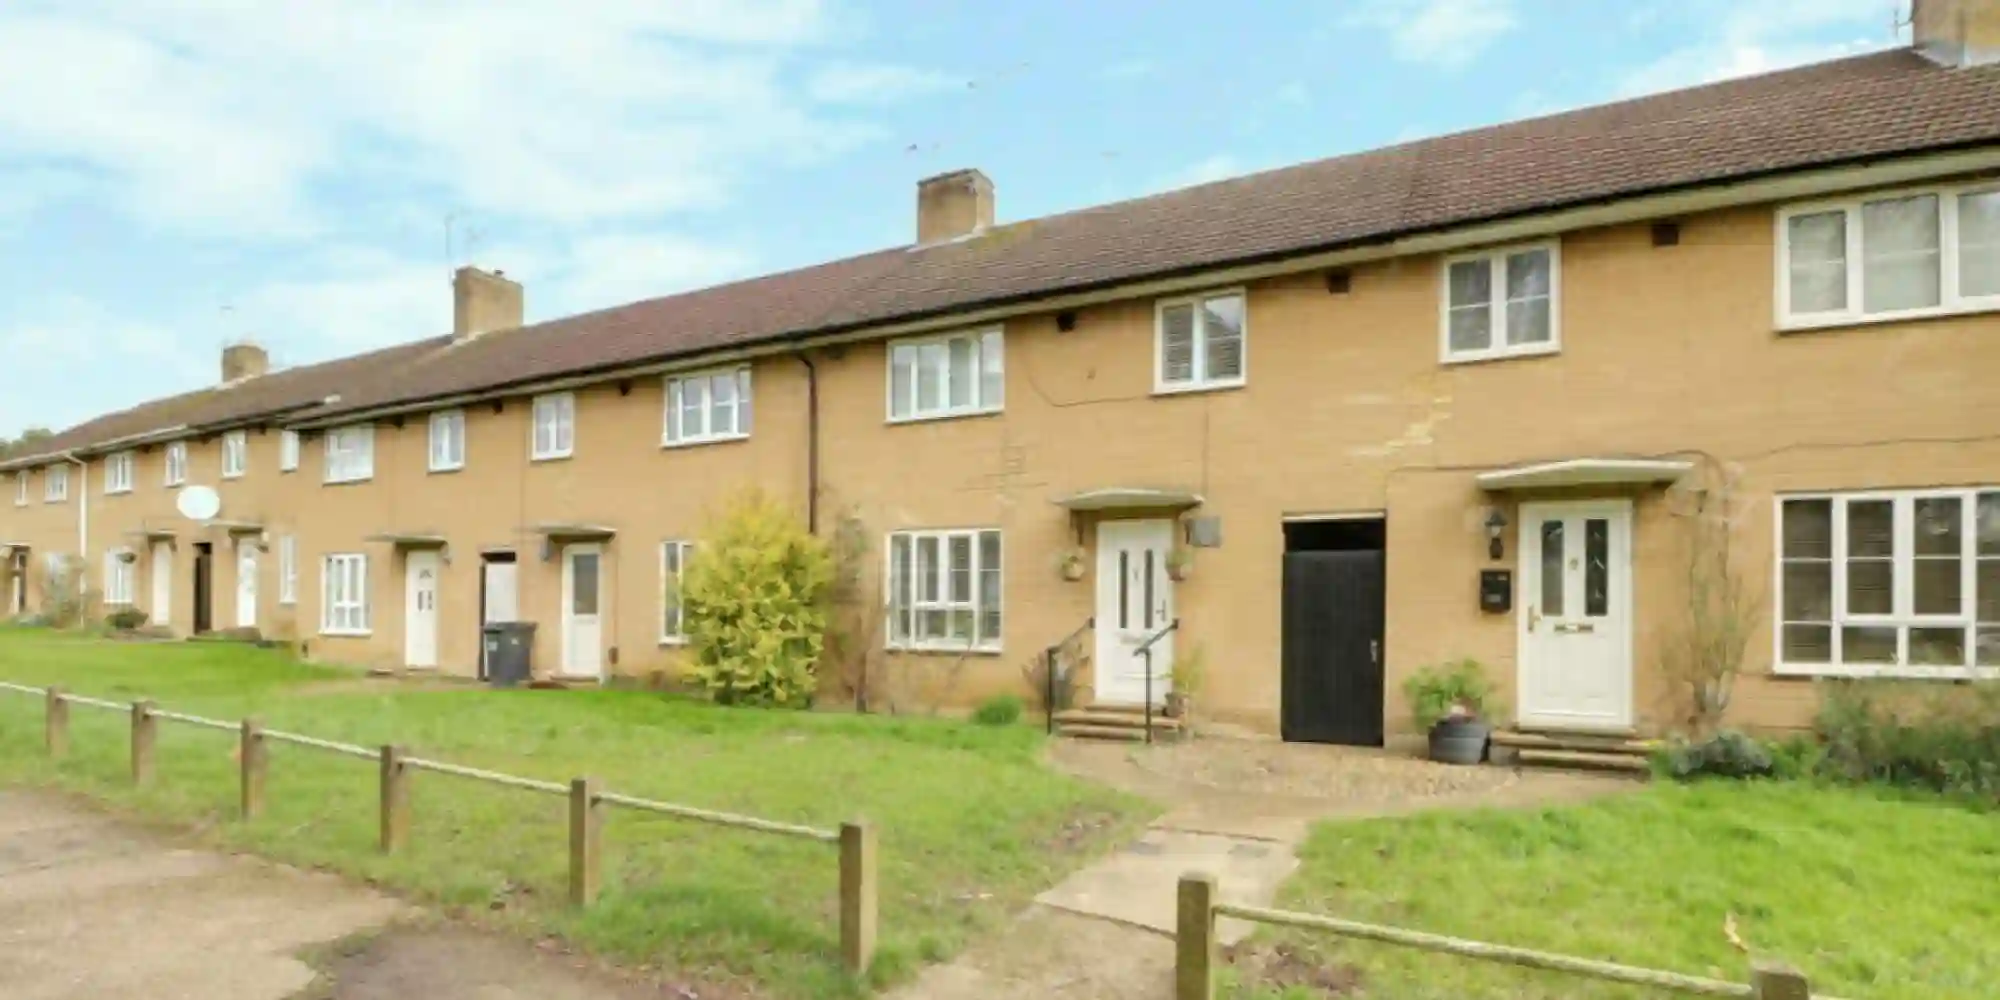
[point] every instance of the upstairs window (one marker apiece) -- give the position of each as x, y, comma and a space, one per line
712, 406
235, 454
448, 441
949, 376
288, 451
118, 472
1502, 303
55, 489
1199, 343
350, 453
554, 426
21, 488
177, 463
1912, 253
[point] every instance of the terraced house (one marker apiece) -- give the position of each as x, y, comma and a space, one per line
1478, 395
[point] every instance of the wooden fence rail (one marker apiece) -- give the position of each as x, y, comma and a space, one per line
1195, 952
587, 802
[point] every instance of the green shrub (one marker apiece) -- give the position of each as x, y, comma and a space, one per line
1942, 738
1441, 691
754, 598
999, 710
1727, 754
126, 619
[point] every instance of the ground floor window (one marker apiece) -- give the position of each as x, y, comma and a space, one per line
1897, 582
944, 589
119, 577
344, 595
673, 560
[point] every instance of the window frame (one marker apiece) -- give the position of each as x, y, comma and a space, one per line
288, 570
55, 484
454, 420
1951, 302
236, 445
335, 476
121, 580
21, 487
175, 460
673, 389
567, 401
1495, 259
288, 451
1198, 380
127, 464
909, 642
945, 411
360, 623
683, 548
1902, 615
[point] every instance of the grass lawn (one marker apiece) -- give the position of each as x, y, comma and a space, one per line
1871, 894
971, 824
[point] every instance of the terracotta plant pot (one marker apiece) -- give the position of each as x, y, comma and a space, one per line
1460, 741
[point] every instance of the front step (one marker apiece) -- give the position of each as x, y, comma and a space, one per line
1585, 760
1584, 751
1113, 722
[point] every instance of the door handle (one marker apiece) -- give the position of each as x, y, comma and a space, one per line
1534, 618
1374, 651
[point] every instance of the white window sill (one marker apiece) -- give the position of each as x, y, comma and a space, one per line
347, 633
1885, 671
552, 457
348, 481
1183, 388
291, 603
236, 476
696, 442
925, 418
438, 470
175, 486
940, 649
118, 493
1828, 321
673, 642
1503, 354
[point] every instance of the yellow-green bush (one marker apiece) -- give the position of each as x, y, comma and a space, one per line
755, 597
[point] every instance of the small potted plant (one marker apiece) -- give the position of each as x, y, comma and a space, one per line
1189, 673
1180, 562
1450, 703
1072, 565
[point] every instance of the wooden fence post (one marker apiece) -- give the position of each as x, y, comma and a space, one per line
55, 728
251, 754
145, 730
1773, 981
1194, 938
395, 799
586, 840
857, 896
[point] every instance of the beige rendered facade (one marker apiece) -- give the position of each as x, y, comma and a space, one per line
1647, 368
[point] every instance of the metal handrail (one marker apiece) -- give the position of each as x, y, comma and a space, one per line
1145, 649
1049, 664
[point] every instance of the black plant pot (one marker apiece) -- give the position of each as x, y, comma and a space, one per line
1460, 741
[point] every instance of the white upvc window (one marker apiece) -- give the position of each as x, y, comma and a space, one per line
119, 578
177, 464
235, 454
945, 589
288, 451
708, 406
953, 375
674, 557
1919, 252
350, 453
21, 488
1901, 583
554, 420
288, 569
1502, 303
343, 594
1200, 342
448, 441
118, 472
55, 485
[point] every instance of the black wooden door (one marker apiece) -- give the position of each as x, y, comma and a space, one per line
1332, 684
204, 582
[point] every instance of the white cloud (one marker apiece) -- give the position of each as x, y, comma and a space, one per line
69, 342
865, 83
1445, 34
1221, 166
1743, 39
615, 269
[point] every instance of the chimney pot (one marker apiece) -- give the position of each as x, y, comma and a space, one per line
483, 303
953, 205
244, 360
1956, 32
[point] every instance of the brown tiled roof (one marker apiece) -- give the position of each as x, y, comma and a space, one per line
1875, 106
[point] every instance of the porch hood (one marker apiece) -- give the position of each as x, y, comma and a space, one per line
568, 531
238, 527
153, 534
1584, 472
409, 539
1128, 498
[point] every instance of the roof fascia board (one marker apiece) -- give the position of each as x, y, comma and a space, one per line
101, 448
1789, 186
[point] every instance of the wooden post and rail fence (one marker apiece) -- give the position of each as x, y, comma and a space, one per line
588, 802
1196, 952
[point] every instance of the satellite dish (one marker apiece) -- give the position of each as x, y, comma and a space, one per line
199, 503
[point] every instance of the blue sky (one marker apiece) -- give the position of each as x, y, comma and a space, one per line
175, 174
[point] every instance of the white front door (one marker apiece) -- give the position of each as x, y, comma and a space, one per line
17, 599
1576, 615
420, 609
582, 623
246, 584
503, 603
1135, 599
163, 582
